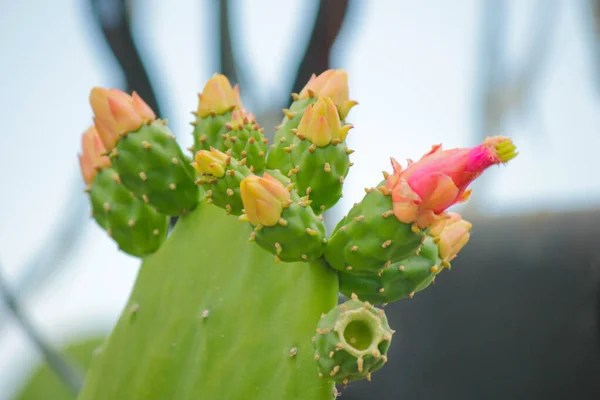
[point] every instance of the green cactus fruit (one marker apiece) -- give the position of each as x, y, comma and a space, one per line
370, 238
212, 317
399, 280
216, 104
298, 236
321, 172
285, 225
279, 152
320, 155
210, 132
137, 228
152, 165
352, 341
220, 176
245, 140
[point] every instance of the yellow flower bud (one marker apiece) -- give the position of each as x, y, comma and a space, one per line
213, 162
321, 123
264, 199
218, 97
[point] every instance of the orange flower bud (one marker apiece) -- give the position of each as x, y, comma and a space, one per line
92, 158
116, 113
332, 84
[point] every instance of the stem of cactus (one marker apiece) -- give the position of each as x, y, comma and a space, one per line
212, 316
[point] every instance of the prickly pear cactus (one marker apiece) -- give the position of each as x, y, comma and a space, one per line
240, 300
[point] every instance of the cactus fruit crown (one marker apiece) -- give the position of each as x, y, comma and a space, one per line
391, 245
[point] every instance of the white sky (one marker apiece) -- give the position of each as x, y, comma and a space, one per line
413, 68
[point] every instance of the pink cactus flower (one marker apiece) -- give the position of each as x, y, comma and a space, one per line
426, 188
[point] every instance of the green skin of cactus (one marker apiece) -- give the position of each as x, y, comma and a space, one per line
322, 172
278, 158
303, 237
352, 341
248, 143
137, 228
399, 280
370, 237
211, 316
152, 166
224, 192
209, 131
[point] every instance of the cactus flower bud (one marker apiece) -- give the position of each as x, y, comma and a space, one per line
116, 113
321, 123
213, 162
218, 97
333, 84
453, 233
93, 156
263, 199
440, 178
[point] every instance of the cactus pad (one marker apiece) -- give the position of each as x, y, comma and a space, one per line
151, 165
208, 321
352, 341
137, 228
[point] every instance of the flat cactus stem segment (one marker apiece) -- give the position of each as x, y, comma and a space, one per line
216, 318
209, 132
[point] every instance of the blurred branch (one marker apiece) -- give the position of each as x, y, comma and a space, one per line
113, 17
326, 28
228, 65
55, 251
72, 379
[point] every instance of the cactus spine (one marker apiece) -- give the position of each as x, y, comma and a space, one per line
209, 305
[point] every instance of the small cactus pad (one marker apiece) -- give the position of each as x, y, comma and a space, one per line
210, 132
278, 157
299, 235
151, 165
351, 341
137, 228
370, 238
319, 172
398, 280
245, 140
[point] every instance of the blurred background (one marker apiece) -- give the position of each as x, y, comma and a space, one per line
518, 316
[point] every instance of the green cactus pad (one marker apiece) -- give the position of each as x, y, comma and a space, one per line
370, 237
212, 317
151, 165
399, 280
321, 172
248, 142
299, 236
137, 228
210, 132
278, 157
352, 341
225, 192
